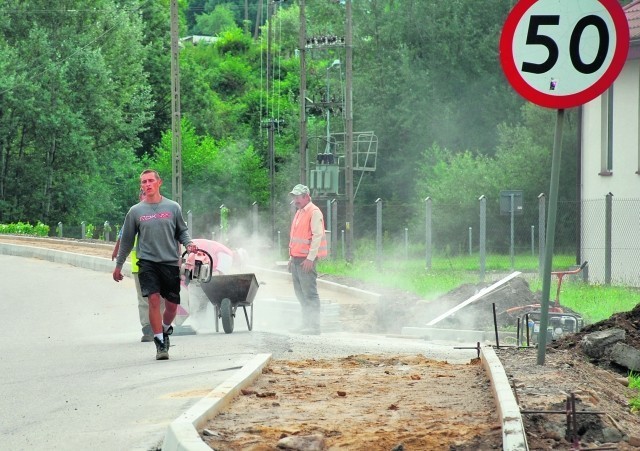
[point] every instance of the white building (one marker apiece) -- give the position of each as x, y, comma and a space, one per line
610, 165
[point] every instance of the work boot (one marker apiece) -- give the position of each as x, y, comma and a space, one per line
165, 335
162, 349
147, 333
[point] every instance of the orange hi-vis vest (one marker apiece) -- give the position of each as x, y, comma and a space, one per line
300, 238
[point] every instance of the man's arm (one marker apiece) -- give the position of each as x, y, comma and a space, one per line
317, 232
127, 239
114, 254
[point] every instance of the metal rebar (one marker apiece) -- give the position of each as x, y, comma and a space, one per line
518, 333
526, 318
574, 421
567, 420
563, 412
495, 325
477, 347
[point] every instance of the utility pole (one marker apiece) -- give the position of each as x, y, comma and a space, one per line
272, 149
256, 29
176, 142
303, 92
272, 122
349, 131
246, 16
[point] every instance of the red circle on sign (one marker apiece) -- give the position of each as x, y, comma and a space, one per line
522, 86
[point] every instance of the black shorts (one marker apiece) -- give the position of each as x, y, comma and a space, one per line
159, 278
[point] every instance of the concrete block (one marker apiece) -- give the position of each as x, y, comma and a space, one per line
597, 344
626, 356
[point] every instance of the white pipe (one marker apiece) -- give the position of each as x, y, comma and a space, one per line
475, 297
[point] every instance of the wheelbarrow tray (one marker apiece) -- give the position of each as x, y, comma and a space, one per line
240, 289
227, 293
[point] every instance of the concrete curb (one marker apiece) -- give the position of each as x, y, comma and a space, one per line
83, 261
182, 434
513, 434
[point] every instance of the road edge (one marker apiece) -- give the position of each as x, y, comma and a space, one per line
182, 434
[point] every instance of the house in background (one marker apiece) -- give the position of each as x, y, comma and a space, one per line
199, 39
610, 172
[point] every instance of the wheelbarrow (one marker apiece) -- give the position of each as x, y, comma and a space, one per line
227, 293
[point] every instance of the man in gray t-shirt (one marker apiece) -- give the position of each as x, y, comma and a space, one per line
160, 227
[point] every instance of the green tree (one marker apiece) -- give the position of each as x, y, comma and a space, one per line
83, 99
212, 24
214, 173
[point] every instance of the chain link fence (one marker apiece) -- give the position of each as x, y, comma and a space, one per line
479, 233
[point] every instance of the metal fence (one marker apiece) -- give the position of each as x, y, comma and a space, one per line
601, 231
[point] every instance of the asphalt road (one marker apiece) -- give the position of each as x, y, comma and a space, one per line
76, 376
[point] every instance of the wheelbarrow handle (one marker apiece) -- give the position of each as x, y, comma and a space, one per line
573, 271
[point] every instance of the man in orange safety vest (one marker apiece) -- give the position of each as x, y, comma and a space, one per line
307, 244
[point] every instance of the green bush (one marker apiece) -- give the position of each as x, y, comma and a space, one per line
88, 234
24, 228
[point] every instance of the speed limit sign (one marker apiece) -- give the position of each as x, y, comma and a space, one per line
564, 53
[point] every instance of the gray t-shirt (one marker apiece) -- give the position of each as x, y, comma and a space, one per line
160, 228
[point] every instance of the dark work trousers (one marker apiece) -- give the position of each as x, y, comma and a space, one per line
306, 289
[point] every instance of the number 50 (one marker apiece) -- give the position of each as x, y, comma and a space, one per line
534, 37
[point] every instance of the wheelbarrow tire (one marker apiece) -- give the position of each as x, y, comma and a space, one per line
226, 313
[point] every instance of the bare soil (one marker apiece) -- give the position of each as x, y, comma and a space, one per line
397, 402
362, 402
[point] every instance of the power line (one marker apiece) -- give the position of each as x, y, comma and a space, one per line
48, 11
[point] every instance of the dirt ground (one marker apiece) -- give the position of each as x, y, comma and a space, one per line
361, 402
406, 402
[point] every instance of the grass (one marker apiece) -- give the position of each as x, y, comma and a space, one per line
594, 302
634, 383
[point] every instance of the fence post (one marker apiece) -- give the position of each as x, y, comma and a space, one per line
60, 229
542, 215
483, 236
406, 243
470, 240
512, 246
379, 231
608, 213
107, 229
427, 202
254, 217
533, 240
83, 229
190, 221
343, 248
279, 246
334, 228
223, 221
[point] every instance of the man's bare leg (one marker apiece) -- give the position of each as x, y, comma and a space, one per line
155, 317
